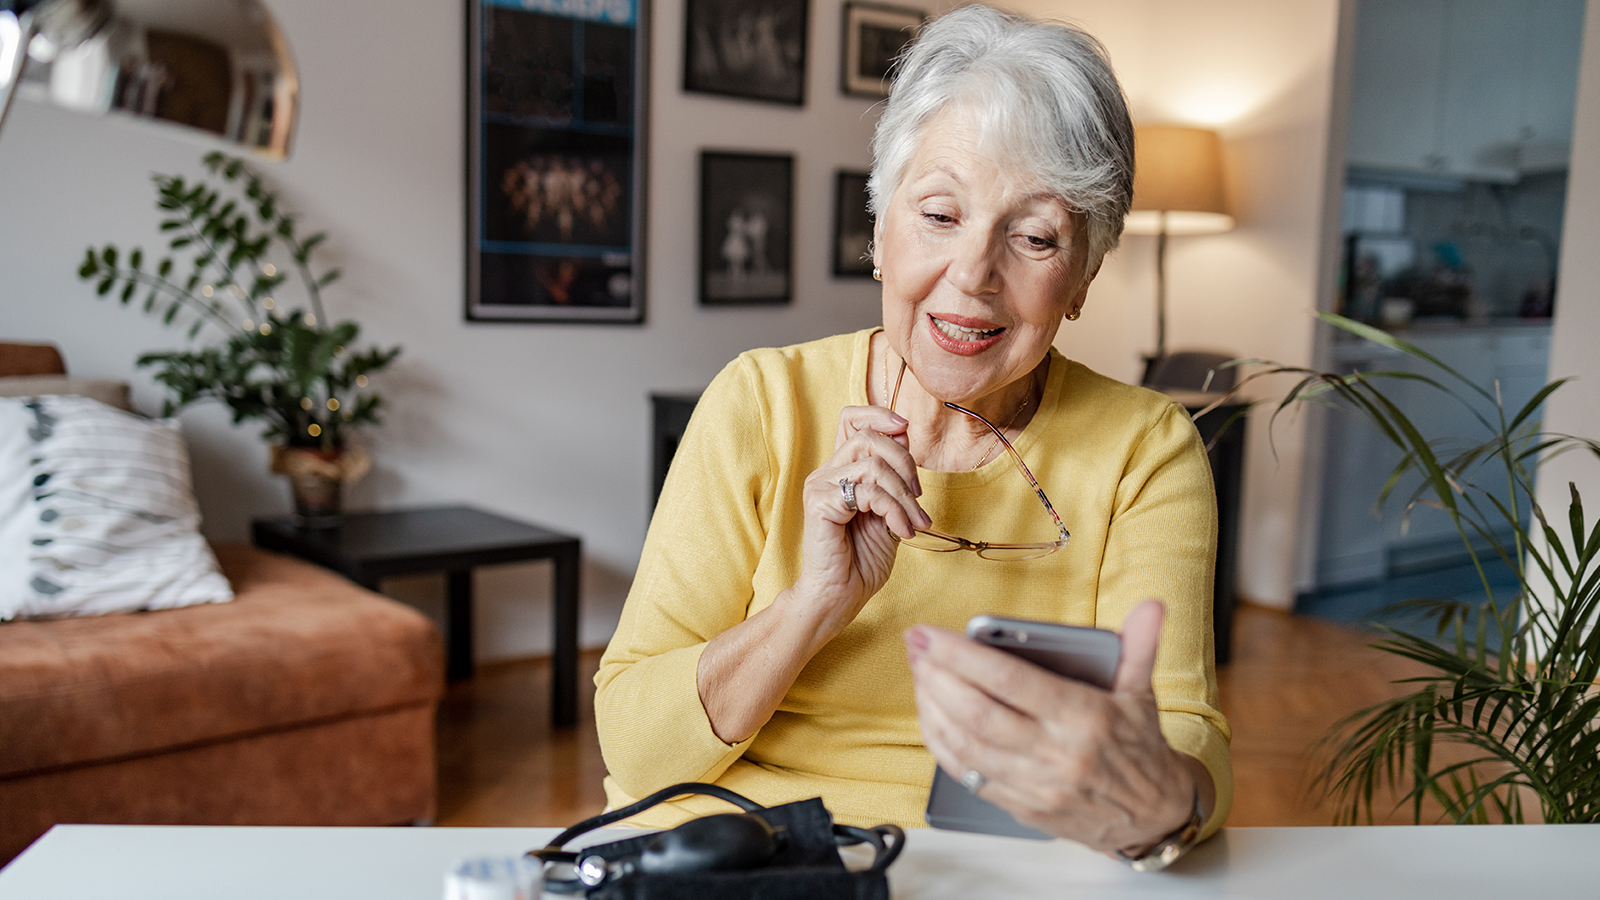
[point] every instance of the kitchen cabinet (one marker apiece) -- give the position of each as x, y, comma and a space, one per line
1473, 89
1395, 84
1356, 544
1553, 43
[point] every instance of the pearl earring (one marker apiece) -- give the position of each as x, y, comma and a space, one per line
877, 274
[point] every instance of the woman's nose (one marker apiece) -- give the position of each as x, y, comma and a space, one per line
975, 267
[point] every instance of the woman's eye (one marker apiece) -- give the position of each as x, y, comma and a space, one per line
939, 218
1038, 243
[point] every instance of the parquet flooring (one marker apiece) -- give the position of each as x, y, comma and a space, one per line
1292, 677
500, 762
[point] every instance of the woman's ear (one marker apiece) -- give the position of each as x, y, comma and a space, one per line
1079, 298
876, 247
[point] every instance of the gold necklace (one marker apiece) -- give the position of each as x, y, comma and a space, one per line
1006, 427
896, 394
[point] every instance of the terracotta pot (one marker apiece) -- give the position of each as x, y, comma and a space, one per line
316, 478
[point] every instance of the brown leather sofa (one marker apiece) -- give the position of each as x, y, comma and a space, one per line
306, 701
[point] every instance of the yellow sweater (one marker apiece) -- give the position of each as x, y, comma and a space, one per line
1122, 465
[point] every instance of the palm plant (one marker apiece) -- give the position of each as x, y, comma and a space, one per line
1505, 714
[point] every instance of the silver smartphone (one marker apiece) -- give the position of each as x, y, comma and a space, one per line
1089, 655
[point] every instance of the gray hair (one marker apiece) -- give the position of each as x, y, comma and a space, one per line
1046, 90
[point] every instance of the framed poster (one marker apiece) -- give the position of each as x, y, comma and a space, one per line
852, 226
874, 35
555, 160
751, 49
746, 228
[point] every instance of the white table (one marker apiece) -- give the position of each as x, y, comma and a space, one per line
176, 863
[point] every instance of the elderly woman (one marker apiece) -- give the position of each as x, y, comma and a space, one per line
789, 633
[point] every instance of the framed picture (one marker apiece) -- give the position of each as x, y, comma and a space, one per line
852, 226
752, 49
873, 36
555, 160
746, 228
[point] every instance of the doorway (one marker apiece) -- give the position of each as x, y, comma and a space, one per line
1454, 188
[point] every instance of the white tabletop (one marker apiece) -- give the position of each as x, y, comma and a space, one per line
1459, 862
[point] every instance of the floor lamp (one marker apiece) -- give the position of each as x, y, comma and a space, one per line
1177, 190
220, 68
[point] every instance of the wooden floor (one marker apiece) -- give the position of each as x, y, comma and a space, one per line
1292, 677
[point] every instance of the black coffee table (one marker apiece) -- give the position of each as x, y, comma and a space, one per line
369, 547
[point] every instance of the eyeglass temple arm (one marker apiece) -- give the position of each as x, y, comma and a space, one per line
1017, 458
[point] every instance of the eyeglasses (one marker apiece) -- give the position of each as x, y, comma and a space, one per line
940, 542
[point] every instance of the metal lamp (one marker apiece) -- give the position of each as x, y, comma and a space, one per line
220, 68
1177, 189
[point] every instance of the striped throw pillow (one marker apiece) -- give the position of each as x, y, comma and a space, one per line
106, 511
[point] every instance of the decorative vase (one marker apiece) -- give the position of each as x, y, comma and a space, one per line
316, 478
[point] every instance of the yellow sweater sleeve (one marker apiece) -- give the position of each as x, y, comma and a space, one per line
693, 583
1161, 543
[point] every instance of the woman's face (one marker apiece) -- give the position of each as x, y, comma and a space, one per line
979, 263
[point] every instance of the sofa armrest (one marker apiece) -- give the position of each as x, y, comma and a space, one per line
31, 359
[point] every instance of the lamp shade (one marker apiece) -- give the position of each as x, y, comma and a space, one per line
1178, 177
215, 67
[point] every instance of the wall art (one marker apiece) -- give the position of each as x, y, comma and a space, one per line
874, 34
852, 226
751, 49
555, 160
746, 228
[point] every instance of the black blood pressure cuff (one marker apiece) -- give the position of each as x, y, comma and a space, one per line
788, 852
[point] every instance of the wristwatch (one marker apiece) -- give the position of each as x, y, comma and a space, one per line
1167, 850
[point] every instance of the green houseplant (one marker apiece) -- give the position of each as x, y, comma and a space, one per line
287, 366
1505, 715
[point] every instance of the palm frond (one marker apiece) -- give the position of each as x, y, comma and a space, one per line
1508, 685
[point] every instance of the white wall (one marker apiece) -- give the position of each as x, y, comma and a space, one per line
1261, 73
1575, 332
547, 422
551, 422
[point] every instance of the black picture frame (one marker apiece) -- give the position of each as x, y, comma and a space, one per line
556, 112
873, 34
746, 228
749, 49
852, 225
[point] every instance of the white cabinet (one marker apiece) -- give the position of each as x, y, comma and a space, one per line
1477, 89
1481, 89
1554, 38
1394, 84
1355, 544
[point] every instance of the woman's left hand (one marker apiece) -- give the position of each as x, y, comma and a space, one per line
1061, 756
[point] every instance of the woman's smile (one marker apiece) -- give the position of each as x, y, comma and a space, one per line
963, 336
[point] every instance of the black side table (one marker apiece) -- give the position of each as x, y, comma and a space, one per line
368, 547
1223, 430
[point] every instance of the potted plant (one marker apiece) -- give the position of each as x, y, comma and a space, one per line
1504, 718
287, 366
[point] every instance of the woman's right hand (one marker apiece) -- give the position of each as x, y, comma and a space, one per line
847, 556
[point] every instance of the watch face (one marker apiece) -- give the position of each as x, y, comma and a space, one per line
1162, 855
1175, 845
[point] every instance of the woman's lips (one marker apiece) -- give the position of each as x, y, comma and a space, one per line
963, 336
